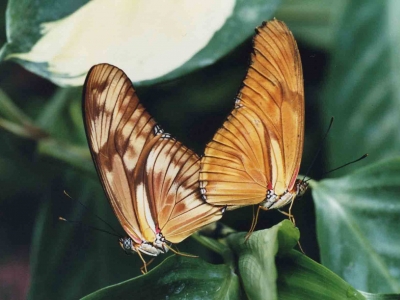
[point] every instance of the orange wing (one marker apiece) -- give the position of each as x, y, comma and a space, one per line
170, 186
149, 178
259, 146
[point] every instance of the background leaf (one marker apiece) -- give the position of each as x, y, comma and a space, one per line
177, 278
370, 296
256, 257
357, 226
270, 269
190, 36
302, 278
312, 22
363, 85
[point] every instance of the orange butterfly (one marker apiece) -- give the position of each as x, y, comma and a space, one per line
254, 158
150, 179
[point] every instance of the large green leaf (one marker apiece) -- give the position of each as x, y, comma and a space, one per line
270, 269
177, 278
357, 226
256, 257
147, 39
363, 91
299, 277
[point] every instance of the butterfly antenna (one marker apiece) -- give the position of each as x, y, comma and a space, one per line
91, 212
349, 163
88, 226
319, 150
180, 253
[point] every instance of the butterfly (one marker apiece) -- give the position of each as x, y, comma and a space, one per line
254, 158
150, 178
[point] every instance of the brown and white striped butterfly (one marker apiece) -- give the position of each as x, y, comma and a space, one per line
150, 179
254, 158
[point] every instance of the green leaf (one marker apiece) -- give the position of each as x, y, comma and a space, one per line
18, 172
313, 22
215, 245
270, 269
177, 278
299, 277
363, 90
9, 110
54, 110
369, 296
357, 226
76, 156
61, 42
256, 257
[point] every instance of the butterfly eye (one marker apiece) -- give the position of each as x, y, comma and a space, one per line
126, 244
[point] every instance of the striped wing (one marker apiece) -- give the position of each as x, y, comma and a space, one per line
167, 179
150, 179
260, 144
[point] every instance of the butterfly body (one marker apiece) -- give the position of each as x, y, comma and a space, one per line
254, 158
150, 178
155, 248
276, 201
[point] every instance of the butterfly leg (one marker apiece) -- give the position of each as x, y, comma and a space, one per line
143, 269
180, 253
253, 223
292, 219
289, 215
145, 264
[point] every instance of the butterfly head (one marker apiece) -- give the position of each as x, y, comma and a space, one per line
302, 187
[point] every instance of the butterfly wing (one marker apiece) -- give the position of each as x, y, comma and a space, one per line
260, 144
117, 129
149, 188
170, 183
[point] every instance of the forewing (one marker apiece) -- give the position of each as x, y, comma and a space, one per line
118, 128
260, 145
